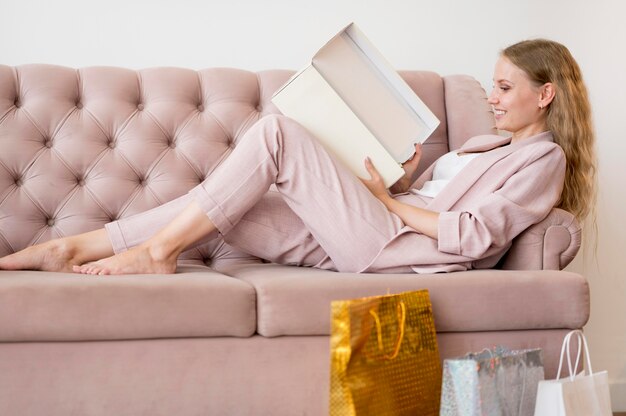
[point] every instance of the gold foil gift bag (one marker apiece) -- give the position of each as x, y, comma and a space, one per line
384, 356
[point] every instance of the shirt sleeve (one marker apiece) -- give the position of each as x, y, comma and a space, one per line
524, 199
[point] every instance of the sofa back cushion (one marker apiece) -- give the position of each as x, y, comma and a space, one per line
82, 147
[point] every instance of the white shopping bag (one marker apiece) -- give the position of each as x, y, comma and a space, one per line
584, 394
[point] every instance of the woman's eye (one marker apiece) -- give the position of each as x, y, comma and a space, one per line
504, 88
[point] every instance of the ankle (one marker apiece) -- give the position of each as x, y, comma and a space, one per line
65, 247
162, 252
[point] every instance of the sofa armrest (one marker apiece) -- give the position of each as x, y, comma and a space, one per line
549, 245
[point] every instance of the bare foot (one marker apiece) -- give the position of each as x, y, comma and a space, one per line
52, 256
142, 259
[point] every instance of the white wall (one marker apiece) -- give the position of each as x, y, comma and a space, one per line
448, 36
596, 34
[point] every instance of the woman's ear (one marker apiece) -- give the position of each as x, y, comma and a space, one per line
546, 94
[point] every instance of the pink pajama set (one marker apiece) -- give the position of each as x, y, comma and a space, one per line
321, 216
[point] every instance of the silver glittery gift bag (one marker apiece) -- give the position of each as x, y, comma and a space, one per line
495, 382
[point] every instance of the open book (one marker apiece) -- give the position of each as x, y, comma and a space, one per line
356, 105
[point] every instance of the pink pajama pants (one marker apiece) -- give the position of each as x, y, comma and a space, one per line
320, 216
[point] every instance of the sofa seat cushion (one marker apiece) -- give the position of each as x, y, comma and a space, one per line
296, 301
195, 302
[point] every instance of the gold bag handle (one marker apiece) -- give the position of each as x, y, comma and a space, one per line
401, 310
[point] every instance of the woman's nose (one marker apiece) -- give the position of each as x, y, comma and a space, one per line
492, 99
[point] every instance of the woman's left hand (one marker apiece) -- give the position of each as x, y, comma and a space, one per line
375, 184
420, 219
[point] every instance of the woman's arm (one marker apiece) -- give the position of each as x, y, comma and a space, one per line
492, 222
421, 220
524, 198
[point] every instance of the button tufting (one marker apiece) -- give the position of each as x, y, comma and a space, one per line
17, 103
48, 143
79, 105
81, 182
18, 182
259, 108
172, 144
50, 222
140, 106
111, 144
200, 107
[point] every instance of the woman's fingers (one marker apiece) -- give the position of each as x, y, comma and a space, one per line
371, 169
418, 148
410, 167
414, 161
375, 183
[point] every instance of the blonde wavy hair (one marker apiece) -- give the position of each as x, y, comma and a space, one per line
568, 117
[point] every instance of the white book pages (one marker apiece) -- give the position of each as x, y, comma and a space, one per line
310, 100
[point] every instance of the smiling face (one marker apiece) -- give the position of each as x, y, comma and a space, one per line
519, 105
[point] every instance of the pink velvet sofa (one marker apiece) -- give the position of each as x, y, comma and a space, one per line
229, 335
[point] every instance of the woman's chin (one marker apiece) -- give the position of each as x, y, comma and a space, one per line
501, 126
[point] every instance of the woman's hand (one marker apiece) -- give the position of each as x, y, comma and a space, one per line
410, 167
420, 219
375, 184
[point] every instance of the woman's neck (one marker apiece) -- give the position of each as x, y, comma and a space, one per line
528, 131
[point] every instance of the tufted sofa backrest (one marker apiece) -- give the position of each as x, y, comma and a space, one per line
82, 147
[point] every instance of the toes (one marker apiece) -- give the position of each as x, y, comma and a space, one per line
84, 268
93, 270
99, 270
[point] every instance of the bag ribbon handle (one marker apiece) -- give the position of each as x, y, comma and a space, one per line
401, 310
582, 343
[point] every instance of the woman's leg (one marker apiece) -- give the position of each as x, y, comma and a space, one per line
159, 253
59, 255
62, 254
287, 239
346, 220
349, 223
132, 231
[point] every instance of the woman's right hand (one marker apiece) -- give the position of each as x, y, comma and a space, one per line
410, 167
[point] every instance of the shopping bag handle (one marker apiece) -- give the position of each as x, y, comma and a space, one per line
521, 401
401, 310
582, 342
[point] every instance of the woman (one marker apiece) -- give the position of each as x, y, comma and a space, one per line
325, 217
